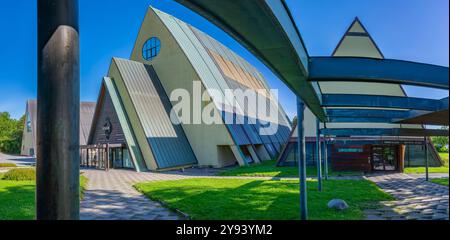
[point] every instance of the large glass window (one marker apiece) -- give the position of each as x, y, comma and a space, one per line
151, 48
28, 123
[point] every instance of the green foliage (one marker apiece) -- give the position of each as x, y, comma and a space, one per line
243, 199
445, 158
441, 143
7, 165
20, 174
11, 131
294, 122
83, 183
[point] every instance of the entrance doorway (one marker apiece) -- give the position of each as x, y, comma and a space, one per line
385, 158
120, 158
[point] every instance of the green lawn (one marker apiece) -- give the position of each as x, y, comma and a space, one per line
441, 181
238, 199
17, 199
421, 170
269, 169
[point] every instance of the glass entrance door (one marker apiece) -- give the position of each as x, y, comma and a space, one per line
121, 158
384, 158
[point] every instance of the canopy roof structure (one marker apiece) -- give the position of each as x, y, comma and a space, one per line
367, 86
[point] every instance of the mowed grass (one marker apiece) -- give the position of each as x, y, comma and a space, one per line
440, 181
7, 165
239, 199
269, 169
17, 198
421, 170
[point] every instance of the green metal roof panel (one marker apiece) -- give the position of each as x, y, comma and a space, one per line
167, 141
265, 28
197, 46
133, 147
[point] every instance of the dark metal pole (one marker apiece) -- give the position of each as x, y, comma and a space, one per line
302, 159
325, 162
318, 156
58, 155
427, 161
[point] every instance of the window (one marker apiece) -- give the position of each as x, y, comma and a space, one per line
151, 48
28, 123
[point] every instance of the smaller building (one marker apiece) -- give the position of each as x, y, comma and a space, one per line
29, 133
365, 154
361, 153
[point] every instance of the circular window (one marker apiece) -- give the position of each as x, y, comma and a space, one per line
151, 48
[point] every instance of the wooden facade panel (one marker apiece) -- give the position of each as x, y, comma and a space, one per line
351, 158
108, 116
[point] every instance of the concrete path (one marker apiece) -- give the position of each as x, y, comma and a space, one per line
416, 199
111, 196
18, 160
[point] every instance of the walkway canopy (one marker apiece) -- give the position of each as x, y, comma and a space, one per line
267, 29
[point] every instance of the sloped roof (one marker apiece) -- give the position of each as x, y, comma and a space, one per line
222, 69
168, 142
87, 110
267, 29
357, 42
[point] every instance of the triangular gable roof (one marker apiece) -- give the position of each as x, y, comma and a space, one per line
86, 115
357, 42
153, 127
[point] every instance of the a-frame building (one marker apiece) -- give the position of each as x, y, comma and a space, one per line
358, 152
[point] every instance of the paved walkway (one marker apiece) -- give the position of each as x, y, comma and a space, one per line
18, 160
111, 196
416, 199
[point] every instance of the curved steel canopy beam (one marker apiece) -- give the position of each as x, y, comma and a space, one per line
385, 132
377, 70
421, 117
266, 29
368, 113
368, 101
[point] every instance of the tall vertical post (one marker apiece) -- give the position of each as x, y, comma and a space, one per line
318, 156
427, 161
58, 155
302, 159
325, 161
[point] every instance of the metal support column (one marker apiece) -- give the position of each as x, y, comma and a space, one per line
325, 161
427, 161
58, 113
318, 156
302, 159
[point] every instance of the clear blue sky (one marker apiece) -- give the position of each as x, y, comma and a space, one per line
415, 30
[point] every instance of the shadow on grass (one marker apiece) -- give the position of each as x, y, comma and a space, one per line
17, 200
233, 199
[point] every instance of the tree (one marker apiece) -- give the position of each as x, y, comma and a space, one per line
441, 143
11, 131
294, 122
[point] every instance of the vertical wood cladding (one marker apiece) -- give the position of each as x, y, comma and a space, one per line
108, 114
351, 158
